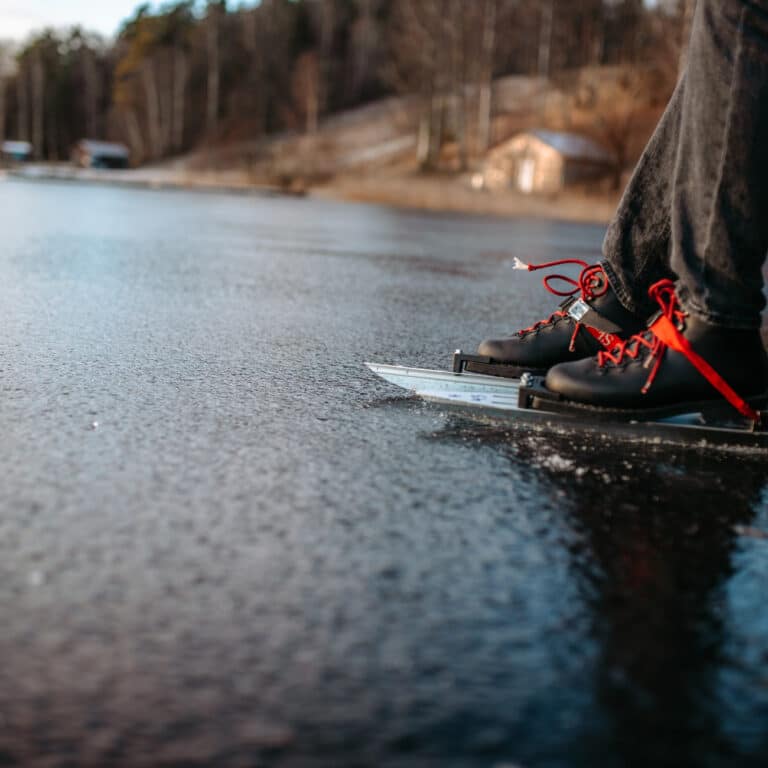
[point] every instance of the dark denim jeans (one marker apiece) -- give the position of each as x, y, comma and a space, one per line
696, 208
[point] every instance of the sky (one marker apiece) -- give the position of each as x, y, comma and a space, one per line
20, 17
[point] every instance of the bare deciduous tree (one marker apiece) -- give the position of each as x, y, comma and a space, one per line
545, 36
22, 98
7, 70
617, 114
485, 88
306, 90
215, 10
152, 100
38, 103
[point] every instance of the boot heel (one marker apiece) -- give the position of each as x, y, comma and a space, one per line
722, 413
760, 404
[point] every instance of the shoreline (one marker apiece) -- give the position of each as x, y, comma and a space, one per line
453, 194
151, 178
433, 193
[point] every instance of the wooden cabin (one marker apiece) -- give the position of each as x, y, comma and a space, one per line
545, 162
88, 153
15, 151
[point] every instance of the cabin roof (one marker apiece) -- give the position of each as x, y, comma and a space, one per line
572, 146
103, 148
16, 147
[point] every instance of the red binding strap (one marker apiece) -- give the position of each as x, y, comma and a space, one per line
664, 333
665, 330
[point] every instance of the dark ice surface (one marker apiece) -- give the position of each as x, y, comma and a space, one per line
223, 542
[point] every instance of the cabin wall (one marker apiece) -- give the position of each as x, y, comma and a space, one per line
532, 166
527, 164
548, 177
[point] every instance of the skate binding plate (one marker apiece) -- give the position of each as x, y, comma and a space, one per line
533, 395
465, 363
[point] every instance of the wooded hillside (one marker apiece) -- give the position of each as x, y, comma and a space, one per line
180, 76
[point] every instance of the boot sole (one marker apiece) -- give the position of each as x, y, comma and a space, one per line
712, 411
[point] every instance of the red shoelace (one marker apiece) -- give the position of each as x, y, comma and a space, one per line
665, 332
591, 283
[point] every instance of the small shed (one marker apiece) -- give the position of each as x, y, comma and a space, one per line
545, 162
15, 151
88, 153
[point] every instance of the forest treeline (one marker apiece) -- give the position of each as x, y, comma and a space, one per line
182, 74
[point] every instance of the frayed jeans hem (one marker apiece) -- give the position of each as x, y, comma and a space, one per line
620, 289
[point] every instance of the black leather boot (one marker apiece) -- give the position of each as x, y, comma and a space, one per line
582, 325
679, 365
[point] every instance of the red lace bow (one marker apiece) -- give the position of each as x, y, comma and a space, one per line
591, 283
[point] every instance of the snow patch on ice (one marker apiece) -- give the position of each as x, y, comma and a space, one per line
557, 463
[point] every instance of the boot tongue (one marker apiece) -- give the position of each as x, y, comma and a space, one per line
610, 307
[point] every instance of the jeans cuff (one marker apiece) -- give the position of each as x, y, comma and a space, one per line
619, 288
733, 322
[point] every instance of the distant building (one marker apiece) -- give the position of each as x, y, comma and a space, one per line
16, 151
545, 162
88, 153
